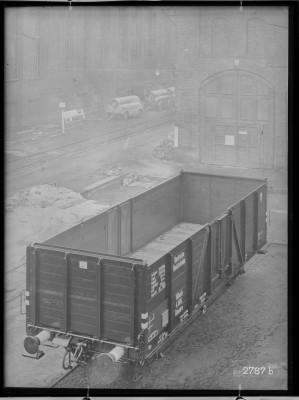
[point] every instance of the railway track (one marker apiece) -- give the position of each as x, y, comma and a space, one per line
44, 158
62, 378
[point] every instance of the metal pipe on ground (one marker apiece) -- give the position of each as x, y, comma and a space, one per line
104, 359
32, 343
104, 368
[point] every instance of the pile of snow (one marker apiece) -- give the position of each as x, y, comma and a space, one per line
116, 170
41, 212
133, 179
165, 150
44, 196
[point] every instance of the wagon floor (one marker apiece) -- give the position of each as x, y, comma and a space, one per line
164, 243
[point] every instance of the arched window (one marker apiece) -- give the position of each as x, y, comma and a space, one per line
220, 37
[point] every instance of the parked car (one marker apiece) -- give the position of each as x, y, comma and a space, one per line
73, 116
162, 98
129, 106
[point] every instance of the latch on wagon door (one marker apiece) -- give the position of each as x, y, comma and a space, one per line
165, 318
24, 301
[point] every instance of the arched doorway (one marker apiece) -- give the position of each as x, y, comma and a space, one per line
236, 120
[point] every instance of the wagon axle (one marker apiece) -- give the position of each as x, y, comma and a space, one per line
78, 354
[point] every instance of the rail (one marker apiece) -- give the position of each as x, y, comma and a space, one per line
15, 167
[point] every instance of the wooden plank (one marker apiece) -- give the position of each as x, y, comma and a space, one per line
56, 303
51, 312
115, 307
115, 267
84, 301
200, 265
47, 257
116, 299
125, 228
166, 242
118, 289
111, 279
83, 329
56, 323
89, 311
119, 336
112, 230
112, 326
152, 210
84, 274
50, 294
51, 268
76, 317
55, 287
117, 316
82, 283
116, 328
50, 277
88, 294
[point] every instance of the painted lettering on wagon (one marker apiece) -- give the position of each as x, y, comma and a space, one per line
179, 260
158, 282
179, 307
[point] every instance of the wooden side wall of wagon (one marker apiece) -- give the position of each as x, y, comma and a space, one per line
124, 283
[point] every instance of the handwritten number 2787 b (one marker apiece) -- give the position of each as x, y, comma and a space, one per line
257, 370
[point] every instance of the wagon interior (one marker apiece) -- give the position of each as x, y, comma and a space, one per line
182, 204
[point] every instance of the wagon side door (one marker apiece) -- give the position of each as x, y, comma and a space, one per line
220, 250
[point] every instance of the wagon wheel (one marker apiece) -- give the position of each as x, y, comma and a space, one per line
125, 115
139, 113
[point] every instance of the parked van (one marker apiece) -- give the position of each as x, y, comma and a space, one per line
162, 98
129, 106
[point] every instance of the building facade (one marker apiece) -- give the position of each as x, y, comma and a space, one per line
82, 56
232, 84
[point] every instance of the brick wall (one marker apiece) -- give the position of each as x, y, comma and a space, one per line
54, 54
209, 40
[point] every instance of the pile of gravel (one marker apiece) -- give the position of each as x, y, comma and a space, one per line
165, 150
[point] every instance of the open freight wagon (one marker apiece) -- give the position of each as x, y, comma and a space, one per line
123, 283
